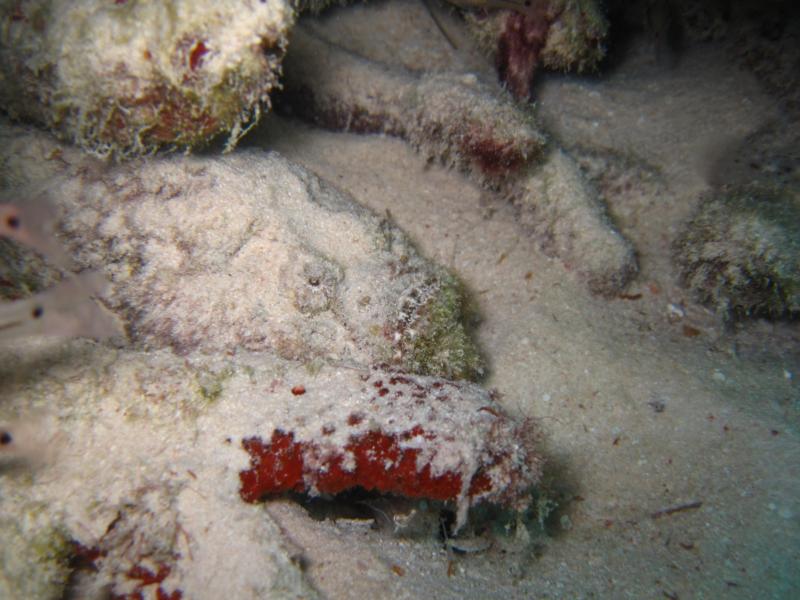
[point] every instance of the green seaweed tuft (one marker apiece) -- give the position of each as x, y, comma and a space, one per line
438, 340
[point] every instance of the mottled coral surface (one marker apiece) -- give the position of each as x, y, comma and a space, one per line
404, 435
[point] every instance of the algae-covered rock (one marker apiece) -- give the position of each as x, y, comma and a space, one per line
128, 77
450, 117
740, 253
570, 221
138, 494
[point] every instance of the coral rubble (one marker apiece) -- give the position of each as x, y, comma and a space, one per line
450, 117
128, 77
565, 214
740, 253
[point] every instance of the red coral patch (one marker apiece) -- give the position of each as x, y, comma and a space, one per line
145, 577
372, 461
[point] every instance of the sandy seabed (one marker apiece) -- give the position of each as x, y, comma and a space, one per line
671, 441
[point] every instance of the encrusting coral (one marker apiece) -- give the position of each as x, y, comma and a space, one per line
740, 253
128, 77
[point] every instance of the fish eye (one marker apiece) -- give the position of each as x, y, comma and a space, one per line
37, 312
5, 438
13, 222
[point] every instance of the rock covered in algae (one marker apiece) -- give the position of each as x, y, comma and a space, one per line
740, 253
139, 495
450, 117
565, 214
250, 251
127, 77
463, 122
35, 553
155, 465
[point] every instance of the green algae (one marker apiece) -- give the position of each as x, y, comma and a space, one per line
442, 343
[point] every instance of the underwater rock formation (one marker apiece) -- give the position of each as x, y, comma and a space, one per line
140, 488
128, 77
454, 118
259, 300
569, 220
448, 117
155, 463
740, 254
399, 434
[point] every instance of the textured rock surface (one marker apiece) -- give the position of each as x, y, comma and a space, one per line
450, 117
569, 221
417, 437
147, 451
255, 297
127, 77
140, 475
454, 116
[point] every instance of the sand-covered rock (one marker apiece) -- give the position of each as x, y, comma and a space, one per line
259, 304
146, 469
569, 221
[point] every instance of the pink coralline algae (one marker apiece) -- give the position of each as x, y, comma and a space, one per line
419, 437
